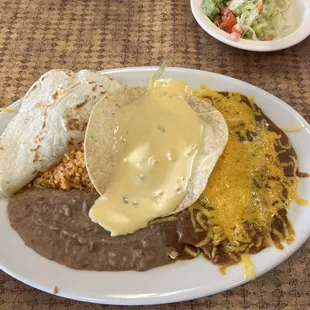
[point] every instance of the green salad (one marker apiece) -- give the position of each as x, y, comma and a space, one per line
251, 19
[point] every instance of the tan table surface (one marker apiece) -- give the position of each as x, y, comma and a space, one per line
37, 35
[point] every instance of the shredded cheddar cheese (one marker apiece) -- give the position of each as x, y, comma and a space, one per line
294, 128
252, 185
299, 200
248, 267
7, 110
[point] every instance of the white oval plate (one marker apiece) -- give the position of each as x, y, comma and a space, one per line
298, 17
181, 280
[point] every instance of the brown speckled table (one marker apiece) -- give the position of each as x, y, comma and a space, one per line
38, 35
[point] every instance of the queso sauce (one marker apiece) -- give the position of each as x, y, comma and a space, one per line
56, 224
156, 139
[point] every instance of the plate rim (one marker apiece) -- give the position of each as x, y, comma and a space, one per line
249, 45
196, 292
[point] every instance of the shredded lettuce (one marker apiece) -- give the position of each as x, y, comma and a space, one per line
267, 25
213, 7
156, 75
235, 4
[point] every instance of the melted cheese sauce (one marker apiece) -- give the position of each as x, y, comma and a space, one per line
156, 140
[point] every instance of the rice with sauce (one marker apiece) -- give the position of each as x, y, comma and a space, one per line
69, 174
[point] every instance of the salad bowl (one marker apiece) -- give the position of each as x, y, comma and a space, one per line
295, 30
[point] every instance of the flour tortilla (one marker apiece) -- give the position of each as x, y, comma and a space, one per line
99, 141
52, 118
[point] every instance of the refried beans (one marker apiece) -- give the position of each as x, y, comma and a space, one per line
55, 224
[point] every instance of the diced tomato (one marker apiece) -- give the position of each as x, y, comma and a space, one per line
237, 29
224, 27
228, 20
225, 11
235, 36
231, 20
260, 6
217, 21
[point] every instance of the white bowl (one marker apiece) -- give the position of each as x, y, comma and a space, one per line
298, 17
